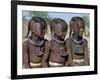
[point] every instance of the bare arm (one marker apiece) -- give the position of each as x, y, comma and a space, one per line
69, 51
86, 61
25, 55
46, 54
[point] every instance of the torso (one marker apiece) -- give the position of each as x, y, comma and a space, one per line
57, 55
34, 55
77, 50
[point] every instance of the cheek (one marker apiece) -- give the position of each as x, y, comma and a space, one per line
81, 32
75, 30
32, 29
37, 30
40, 32
62, 34
57, 33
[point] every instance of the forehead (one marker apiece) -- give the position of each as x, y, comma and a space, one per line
78, 23
34, 24
59, 26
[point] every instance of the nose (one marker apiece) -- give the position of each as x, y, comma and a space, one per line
41, 32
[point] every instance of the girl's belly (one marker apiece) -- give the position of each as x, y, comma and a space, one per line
56, 57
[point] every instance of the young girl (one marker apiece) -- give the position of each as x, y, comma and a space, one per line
78, 46
33, 47
55, 54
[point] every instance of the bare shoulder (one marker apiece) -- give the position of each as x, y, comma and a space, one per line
85, 41
68, 40
25, 42
48, 43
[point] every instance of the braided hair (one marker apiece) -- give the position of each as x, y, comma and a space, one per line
75, 20
56, 21
39, 20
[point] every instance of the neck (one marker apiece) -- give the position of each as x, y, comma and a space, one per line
35, 38
76, 37
36, 41
77, 40
58, 38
